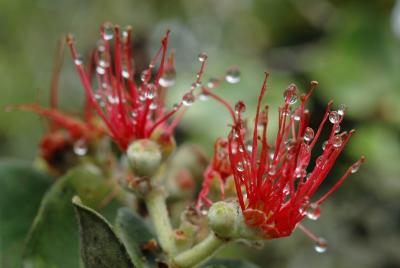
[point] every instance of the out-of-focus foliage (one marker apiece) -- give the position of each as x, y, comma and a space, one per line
350, 47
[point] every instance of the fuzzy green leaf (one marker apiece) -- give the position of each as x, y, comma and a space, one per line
134, 232
21, 189
53, 239
100, 247
227, 263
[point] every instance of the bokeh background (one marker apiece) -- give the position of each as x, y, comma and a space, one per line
351, 47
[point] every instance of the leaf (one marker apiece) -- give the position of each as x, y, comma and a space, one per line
21, 189
100, 247
53, 239
134, 232
227, 263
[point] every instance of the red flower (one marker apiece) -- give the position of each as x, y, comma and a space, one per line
219, 169
66, 132
129, 110
275, 183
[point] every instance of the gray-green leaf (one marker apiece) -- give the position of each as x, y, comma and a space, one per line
134, 232
100, 247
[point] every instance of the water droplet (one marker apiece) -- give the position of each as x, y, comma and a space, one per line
125, 73
308, 134
104, 63
355, 167
296, 117
240, 167
203, 212
313, 211
290, 94
249, 148
133, 114
233, 75
321, 245
100, 70
112, 99
240, 107
203, 96
213, 82
168, 78
337, 141
80, 147
203, 57
146, 75
334, 117
188, 99
151, 92
195, 85
342, 109
153, 106
324, 145
78, 60
108, 31
337, 129
100, 46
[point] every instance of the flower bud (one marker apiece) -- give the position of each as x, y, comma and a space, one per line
222, 218
144, 157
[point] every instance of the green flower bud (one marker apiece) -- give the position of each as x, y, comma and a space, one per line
222, 218
144, 157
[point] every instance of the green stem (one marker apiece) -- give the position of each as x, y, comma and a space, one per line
200, 252
155, 201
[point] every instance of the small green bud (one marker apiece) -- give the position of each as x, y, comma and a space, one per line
222, 218
144, 157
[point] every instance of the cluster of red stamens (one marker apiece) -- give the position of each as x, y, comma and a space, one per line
274, 183
130, 110
219, 169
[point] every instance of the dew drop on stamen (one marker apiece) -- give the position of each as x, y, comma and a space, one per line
168, 78
108, 31
125, 73
203, 96
313, 211
337, 129
100, 46
342, 109
213, 82
233, 75
334, 117
80, 147
355, 167
153, 106
308, 134
290, 95
321, 245
324, 145
145, 75
337, 141
100, 70
78, 60
188, 99
240, 167
202, 57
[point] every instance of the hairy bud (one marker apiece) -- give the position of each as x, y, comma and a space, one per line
144, 157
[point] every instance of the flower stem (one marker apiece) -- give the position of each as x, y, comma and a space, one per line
199, 253
155, 202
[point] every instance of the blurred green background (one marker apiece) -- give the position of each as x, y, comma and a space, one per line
351, 47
